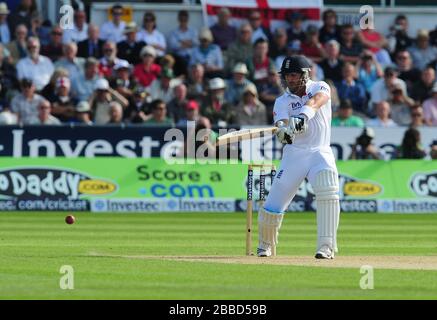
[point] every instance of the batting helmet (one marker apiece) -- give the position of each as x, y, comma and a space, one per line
295, 64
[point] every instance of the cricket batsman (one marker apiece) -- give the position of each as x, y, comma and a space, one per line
303, 117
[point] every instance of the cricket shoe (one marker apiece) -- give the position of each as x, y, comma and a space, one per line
261, 252
325, 253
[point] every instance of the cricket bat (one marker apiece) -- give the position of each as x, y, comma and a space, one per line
244, 134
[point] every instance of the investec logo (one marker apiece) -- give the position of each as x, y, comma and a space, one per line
424, 184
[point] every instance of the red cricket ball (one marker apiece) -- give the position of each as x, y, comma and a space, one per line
70, 219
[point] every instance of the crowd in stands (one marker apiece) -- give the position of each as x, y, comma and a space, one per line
121, 72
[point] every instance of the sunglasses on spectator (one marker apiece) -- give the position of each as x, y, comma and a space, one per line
57, 33
32, 47
416, 114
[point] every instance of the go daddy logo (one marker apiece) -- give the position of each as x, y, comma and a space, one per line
424, 184
33, 182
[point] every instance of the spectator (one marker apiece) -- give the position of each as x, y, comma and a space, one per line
422, 90
260, 64
18, 47
381, 90
258, 31
113, 30
279, 45
196, 84
22, 15
130, 49
400, 106
101, 99
430, 108
208, 54
147, 71
316, 72
49, 90
25, 104
354, 91
176, 106
330, 29
150, 34
237, 84
350, 48
109, 59
191, 113
241, 49
293, 48
123, 82
162, 88
332, 64
398, 38
311, 47
433, 152
93, 46
251, 111
7, 117
71, 62
44, 117
80, 29
364, 149
5, 34
382, 116
422, 53
411, 146
36, 67
63, 104
83, 113
270, 91
433, 37
138, 109
54, 49
407, 71
39, 29
223, 33
369, 70
345, 117
159, 114
115, 113
375, 42
417, 119
168, 62
295, 32
216, 108
182, 41
83, 86
8, 79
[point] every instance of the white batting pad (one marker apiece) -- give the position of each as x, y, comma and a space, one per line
268, 228
328, 208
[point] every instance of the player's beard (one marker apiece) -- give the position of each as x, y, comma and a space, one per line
296, 87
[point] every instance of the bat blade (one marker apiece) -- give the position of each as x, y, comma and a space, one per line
244, 134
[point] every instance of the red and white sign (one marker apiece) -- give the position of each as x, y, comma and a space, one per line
274, 13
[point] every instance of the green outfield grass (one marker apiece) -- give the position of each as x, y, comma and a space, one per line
34, 246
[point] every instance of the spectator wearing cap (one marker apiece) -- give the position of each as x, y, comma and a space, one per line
115, 113
364, 149
176, 106
80, 29
109, 59
138, 109
350, 47
296, 31
269, 91
383, 120
260, 64
208, 54
216, 108
159, 114
401, 106
162, 88
101, 99
130, 49
147, 71
311, 47
191, 113
345, 116
36, 67
83, 113
251, 111
123, 82
369, 70
352, 90
71, 62
25, 104
114, 30
241, 49
236, 85
422, 90
223, 33
93, 46
63, 104
44, 117
258, 30
22, 14
381, 90
182, 41
54, 49
375, 42
407, 71
151, 35
279, 45
18, 47
332, 65
82, 87
430, 108
5, 34
330, 29
422, 53
196, 83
